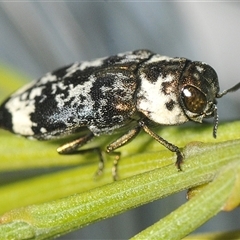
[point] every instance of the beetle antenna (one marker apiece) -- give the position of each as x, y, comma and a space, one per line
232, 89
215, 121
215, 116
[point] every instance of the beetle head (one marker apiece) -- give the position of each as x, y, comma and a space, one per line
199, 89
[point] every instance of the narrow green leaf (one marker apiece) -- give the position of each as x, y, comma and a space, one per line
215, 236
64, 215
204, 206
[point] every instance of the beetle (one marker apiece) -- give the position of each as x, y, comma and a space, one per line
126, 92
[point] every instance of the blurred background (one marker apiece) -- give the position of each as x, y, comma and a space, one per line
37, 37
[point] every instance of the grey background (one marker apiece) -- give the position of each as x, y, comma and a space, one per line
37, 37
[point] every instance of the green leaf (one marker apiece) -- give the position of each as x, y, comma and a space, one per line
215, 236
63, 215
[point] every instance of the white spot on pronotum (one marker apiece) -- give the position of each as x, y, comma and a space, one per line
200, 69
152, 102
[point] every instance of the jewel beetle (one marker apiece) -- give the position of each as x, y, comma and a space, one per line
125, 93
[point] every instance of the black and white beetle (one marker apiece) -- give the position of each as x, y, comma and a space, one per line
132, 90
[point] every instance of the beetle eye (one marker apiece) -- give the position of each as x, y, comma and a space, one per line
194, 100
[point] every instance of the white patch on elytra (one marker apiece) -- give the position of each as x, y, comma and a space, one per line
151, 101
124, 54
131, 57
24, 96
21, 105
21, 111
49, 77
104, 89
40, 84
72, 69
95, 63
43, 130
158, 58
57, 86
35, 92
83, 65
137, 56
73, 94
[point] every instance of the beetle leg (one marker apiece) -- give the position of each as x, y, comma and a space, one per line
165, 143
123, 139
119, 143
72, 147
